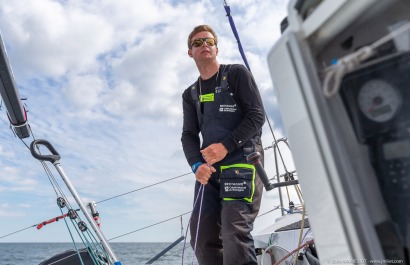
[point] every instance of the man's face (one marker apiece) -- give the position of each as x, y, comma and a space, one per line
203, 52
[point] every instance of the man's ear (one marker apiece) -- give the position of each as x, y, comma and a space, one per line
190, 53
217, 50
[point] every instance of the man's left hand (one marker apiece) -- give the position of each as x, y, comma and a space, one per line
214, 153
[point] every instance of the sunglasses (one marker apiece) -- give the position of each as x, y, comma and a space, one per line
200, 41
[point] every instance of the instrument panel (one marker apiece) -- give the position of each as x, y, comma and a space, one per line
377, 96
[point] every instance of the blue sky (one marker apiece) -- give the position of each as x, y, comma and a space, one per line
103, 82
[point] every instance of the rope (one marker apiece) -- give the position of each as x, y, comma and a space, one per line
335, 73
302, 224
72, 238
291, 253
91, 245
201, 191
232, 23
299, 193
189, 222
287, 192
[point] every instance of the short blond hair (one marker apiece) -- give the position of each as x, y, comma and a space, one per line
201, 28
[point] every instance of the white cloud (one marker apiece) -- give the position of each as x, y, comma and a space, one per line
6, 153
50, 39
7, 211
24, 205
20, 181
84, 91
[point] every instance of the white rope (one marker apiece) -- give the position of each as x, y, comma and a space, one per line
335, 73
189, 222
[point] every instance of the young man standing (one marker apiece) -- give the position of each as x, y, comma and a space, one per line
225, 106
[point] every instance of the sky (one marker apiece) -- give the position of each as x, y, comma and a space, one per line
103, 82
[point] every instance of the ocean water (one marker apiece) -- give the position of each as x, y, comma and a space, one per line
128, 253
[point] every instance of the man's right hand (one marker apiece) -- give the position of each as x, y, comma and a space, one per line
203, 173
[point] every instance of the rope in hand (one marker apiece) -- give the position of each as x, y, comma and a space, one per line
201, 190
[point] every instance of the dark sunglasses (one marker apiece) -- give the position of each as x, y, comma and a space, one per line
200, 41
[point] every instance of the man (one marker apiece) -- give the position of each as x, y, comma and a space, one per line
224, 104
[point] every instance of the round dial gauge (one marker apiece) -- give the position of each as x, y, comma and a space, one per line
378, 100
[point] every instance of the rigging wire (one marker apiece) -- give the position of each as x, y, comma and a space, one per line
21, 230
149, 226
143, 187
265, 213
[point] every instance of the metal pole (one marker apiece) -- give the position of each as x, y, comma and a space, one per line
90, 219
278, 177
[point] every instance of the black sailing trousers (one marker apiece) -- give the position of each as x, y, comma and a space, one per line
224, 236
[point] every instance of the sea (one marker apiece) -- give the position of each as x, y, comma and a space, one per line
127, 253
